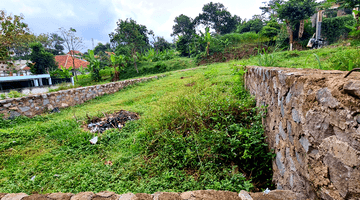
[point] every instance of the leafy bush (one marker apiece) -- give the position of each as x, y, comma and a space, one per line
337, 27
61, 73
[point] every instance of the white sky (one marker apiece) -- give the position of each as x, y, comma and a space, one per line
97, 18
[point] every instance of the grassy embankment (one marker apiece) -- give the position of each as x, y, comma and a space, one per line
198, 130
328, 58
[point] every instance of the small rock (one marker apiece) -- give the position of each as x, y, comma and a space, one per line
35, 197
358, 119
325, 98
16, 196
60, 196
127, 196
244, 195
352, 88
64, 105
83, 196
7, 105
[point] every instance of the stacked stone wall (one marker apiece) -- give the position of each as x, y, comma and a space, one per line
37, 104
312, 123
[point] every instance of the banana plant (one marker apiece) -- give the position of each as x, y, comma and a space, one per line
206, 39
117, 62
94, 66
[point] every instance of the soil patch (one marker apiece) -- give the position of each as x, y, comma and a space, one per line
115, 120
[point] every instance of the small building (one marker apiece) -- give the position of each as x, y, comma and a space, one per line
20, 68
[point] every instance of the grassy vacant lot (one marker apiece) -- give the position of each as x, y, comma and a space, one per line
329, 58
198, 130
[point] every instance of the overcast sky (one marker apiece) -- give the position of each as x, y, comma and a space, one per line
97, 18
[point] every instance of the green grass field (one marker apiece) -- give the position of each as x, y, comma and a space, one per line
197, 130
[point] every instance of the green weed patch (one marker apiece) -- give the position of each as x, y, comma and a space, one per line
197, 130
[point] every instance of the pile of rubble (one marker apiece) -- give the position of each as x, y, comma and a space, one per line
116, 120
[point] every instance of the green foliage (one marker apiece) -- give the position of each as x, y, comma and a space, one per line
218, 18
61, 73
337, 27
183, 45
295, 10
102, 48
94, 66
236, 38
152, 56
345, 60
252, 25
13, 32
14, 94
266, 59
184, 25
271, 29
2, 96
131, 36
42, 61
160, 44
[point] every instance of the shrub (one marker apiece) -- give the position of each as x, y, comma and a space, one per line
338, 27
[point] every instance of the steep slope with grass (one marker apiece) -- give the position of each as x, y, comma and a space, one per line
330, 58
197, 130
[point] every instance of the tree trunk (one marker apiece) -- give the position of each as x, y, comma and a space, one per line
135, 65
74, 68
290, 32
301, 28
116, 74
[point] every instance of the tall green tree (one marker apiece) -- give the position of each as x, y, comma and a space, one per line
13, 33
102, 48
43, 61
184, 25
131, 37
184, 28
218, 18
295, 11
252, 25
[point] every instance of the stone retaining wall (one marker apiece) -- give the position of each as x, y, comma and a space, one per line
192, 195
312, 123
37, 104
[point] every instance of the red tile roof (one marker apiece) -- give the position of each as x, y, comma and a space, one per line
66, 61
75, 52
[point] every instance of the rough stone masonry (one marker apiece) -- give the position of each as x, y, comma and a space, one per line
312, 123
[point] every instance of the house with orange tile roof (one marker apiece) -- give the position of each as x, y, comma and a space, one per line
67, 61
